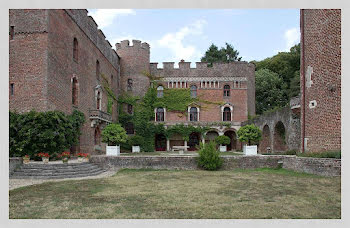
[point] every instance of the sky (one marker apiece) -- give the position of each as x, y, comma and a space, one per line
176, 34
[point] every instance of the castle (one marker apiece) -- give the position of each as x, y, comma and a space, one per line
59, 60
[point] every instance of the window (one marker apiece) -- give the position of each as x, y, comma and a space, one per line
75, 49
227, 114
97, 70
226, 91
237, 84
160, 114
12, 89
193, 91
160, 91
129, 128
112, 81
97, 136
98, 100
129, 108
193, 114
129, 88
74, 91
12, 32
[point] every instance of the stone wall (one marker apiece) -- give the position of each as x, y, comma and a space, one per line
321, 64
319, 166
271, 138
14, 163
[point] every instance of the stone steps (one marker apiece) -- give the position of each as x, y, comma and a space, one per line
56, 171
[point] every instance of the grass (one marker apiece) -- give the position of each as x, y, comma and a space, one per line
148, 193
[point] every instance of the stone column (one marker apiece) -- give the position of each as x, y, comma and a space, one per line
185, 145
168, 145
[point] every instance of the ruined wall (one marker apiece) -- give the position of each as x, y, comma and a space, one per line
321, 45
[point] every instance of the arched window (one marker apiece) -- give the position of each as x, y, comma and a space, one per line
193, 114
130, 109
160, 114
160, 91
75, 91
227, 114
75, 49
226, 91
97, 136
193, 91
97, 70
98, 100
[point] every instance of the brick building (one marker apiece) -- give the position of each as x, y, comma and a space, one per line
59, 60
320, 79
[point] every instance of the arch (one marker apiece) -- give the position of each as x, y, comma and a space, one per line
193, 114
233, 140
265, 142
97, 70
160, 142
279, 137
226, 90
75, 50
194, 140
160, 114
211, 135
193, 91
74, 91
160, 91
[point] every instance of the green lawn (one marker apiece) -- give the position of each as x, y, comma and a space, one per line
262, 193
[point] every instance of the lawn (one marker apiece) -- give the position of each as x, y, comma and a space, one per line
262, 193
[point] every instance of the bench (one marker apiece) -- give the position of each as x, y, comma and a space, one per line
181, 149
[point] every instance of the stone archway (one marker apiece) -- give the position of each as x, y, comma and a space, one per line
210, 136
160, 142
266, 140
194, 140
279, 138
233, 138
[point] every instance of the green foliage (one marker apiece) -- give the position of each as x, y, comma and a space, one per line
49, 132
287, 66
224, 55
136, 140
249, 133
113, 134
110, 105
209, 158
326, 154
175, 99
270, 90
222, 140
184, 130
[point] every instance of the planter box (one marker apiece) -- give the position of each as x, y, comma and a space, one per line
250, 150
136, 149
112, 150
223, 148
45, 160
81, 159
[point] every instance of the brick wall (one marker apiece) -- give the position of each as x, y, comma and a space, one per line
321, 32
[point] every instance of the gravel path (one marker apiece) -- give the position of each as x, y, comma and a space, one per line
16, 183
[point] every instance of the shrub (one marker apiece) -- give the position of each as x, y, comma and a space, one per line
222, 140
49, 132
114, 134
136, 140
291, 152
326, 154
209, 158
249, 134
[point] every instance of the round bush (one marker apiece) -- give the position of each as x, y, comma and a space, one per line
222, 140
114, 134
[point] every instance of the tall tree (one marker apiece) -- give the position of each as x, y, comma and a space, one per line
223, 55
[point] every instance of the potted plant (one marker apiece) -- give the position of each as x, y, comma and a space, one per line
83, 157
26, 159
249, 134
65, 156
44, 156
222, 140
136, 141
113, 135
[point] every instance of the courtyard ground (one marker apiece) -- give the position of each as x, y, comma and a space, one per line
261, 193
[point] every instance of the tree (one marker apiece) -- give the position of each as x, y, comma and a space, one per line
222, 140
114, 134
270, 91
224, 55
249, 134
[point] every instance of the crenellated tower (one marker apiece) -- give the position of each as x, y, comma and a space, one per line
134, 61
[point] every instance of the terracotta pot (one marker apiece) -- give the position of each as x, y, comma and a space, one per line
26, 160
65, 160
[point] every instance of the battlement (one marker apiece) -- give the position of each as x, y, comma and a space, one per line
90, 28
200, 65
136, 44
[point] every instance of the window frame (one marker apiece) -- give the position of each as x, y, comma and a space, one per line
227, 89
192, 117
